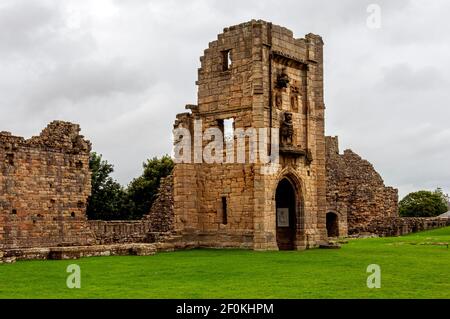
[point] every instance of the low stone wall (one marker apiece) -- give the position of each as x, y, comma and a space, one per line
120, 231
242, 239
75, 252
398, 226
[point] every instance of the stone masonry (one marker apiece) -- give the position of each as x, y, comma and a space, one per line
161, 217
398, 226
260, 76
355, 191
44, 185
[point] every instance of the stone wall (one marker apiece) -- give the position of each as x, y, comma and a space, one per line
398, 226
119, 231
160, 218
44, 185
355, 191
75, 252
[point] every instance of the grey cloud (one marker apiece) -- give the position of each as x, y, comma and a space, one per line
83, 80
417, 24
404, 77
21, 23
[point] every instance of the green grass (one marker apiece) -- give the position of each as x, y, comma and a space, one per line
411, 267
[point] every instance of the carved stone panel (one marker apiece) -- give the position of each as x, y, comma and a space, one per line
287, 130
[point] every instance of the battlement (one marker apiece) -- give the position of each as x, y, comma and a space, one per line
58, 136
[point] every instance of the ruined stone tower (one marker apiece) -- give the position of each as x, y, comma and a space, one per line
256, 75
44, 185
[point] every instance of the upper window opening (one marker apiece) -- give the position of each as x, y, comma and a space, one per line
226, 59
228, 129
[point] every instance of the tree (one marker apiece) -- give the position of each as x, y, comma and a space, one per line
143, 189
111, 201
444, 196
108, 198
423, 204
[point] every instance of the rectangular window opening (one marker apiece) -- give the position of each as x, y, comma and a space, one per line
224, 211
228, 129
226, 60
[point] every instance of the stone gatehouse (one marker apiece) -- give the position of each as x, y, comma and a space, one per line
257, 75
254, 76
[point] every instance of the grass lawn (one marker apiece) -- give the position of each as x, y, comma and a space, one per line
411, 267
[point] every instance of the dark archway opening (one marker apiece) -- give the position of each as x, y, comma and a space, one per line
286, 215
332, 225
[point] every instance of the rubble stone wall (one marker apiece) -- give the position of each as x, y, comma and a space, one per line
398, 226
160, 218
44, 185
355, 191
119, 231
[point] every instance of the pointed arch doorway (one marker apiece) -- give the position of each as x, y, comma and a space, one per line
286, 215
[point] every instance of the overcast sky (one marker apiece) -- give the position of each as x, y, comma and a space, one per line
123, 69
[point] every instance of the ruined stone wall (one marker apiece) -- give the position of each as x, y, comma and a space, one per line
355, 191
245, 91
152, 227
119, 231
160, 217
398, 226
44, 185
